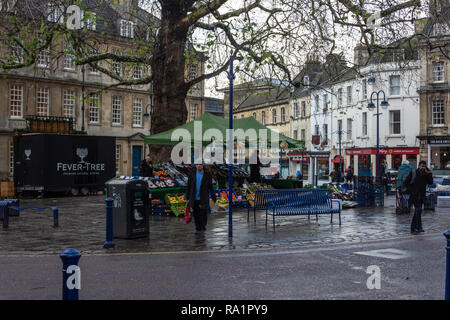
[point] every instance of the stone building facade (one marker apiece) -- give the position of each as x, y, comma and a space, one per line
434, 89
53, 87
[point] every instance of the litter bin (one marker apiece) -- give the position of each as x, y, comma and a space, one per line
130, 210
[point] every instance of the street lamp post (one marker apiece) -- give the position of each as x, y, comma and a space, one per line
372, 106
148, 114
231, 77
82, 100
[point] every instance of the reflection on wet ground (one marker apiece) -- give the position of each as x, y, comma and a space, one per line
82, 226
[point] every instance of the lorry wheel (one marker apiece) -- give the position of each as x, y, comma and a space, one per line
84, 191
75, 191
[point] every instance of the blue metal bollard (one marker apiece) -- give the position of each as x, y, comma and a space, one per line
5, 207
447, 276
71, 280
55, 217
109, 243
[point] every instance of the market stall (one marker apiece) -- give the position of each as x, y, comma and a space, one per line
176, 175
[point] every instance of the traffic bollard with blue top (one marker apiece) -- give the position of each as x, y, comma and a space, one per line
447, 277
109, 243
71, 274
4, 213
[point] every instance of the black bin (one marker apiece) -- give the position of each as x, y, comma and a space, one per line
131, 208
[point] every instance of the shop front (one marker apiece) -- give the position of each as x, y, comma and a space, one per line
299, 161
315, 165
439, 156
364, 159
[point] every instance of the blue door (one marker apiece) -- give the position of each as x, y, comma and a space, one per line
137, 157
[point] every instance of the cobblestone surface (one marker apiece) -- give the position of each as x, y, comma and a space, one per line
82, 226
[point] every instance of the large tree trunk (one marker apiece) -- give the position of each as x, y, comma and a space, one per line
169, 85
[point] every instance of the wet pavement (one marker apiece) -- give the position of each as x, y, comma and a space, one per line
82, 226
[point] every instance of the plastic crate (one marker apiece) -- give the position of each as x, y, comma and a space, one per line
443, 201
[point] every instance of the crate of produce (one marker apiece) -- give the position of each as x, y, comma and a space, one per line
179, 209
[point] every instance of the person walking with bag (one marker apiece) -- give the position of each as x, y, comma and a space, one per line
416, 183
198, 189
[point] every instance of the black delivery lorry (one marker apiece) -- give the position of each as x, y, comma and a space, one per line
63, 163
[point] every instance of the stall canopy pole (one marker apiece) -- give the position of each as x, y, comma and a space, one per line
230, 155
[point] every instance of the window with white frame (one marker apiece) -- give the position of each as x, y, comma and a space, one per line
192, 71
303, 109
69, 57
296, 134
69, 103
438, 71
116, 65
43, 101
274, 116
55, 13
118, 156
339, 97
11, 158
94, 108
325, 102
283, 115
117, 110
394, 85
126, 28
364, 89
296, 110
303, 134
137, 72
317, 102
89, 20
440, 29
194, 108
349, 95
349, 129
325, 131
254, 115
17, 53
16, 101
263, 117
92, 70
137, 112
317, 130
394, 122
438, 112
43, 57
364, 124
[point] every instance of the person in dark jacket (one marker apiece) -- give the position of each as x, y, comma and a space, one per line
198, 188
416, 182
146, 168
255, 170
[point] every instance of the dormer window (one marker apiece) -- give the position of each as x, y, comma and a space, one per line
306, 80
55, 13
440, 29
126, 29
90, 21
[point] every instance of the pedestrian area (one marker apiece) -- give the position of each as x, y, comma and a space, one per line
82, 226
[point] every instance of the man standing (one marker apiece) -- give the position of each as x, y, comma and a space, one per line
416, 182
198, 189
146, 169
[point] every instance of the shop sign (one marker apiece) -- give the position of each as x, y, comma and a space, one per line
383, 151
299, 159
440, 141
